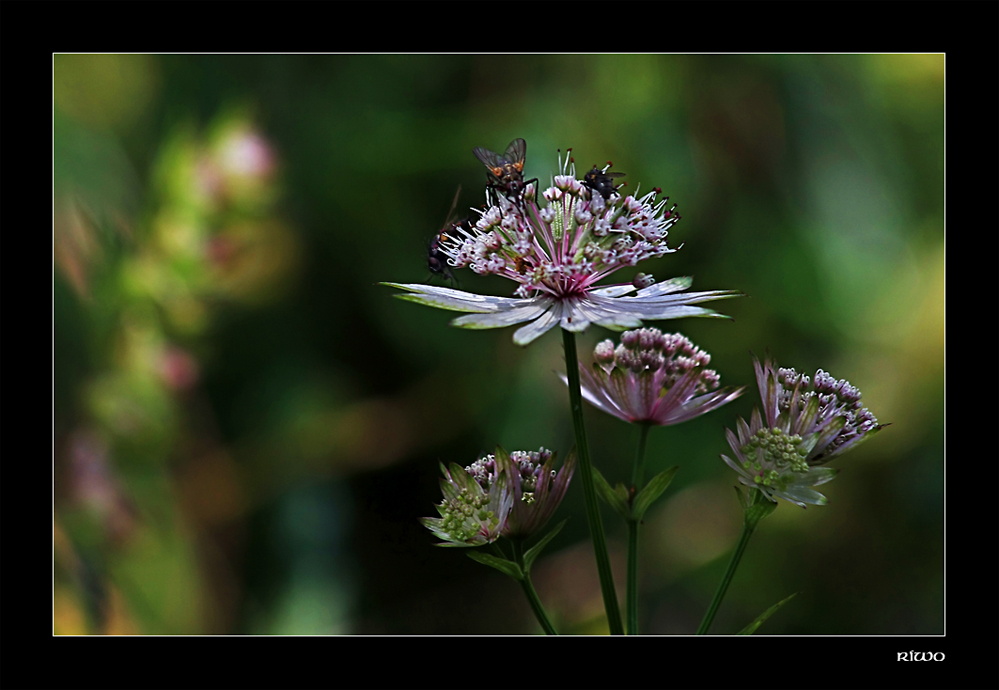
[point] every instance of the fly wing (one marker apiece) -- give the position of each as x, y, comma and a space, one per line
450, 211
490, 159
516, 152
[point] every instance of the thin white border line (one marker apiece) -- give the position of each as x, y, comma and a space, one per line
52, 335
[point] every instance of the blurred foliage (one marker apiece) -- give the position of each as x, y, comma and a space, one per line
247, 427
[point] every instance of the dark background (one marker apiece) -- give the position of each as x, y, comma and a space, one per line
247, 427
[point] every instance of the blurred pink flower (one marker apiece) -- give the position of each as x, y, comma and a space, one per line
178, 369
95, 485
246, 153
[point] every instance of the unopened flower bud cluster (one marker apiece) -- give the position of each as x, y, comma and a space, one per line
649, 350
465, 515
775, 455
833, 394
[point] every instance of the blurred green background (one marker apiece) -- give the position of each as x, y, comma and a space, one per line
247, 427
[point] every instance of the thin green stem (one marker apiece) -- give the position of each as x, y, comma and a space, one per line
589, 490
531, 593
747, 532
639, 468
631, 598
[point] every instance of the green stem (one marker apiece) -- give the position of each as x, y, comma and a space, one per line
747, 531
636, 475
589, 490
631, 598
531, 593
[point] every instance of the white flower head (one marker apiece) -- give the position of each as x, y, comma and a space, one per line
557, 254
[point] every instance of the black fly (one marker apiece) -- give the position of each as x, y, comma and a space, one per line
602, 181
437, 259
506, 173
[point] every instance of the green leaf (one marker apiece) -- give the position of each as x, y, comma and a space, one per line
501, 564
615, 499
653, 490
759, 507
751, 628
533, 552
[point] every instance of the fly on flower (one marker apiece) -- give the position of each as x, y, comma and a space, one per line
601, 181
436, 258
557, 253
505, 173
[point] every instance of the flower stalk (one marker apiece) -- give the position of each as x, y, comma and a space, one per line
631, 597
589, 491
759, 506
639, 468
529, 591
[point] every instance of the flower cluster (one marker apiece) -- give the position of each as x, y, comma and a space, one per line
577, 239
807, 423
500, 494
653, 377
834, 398
557, 253
470, 516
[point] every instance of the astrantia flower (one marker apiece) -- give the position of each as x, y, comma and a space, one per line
653, 377
537, 487
470, 516
808, 422
557, 253
501, 494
